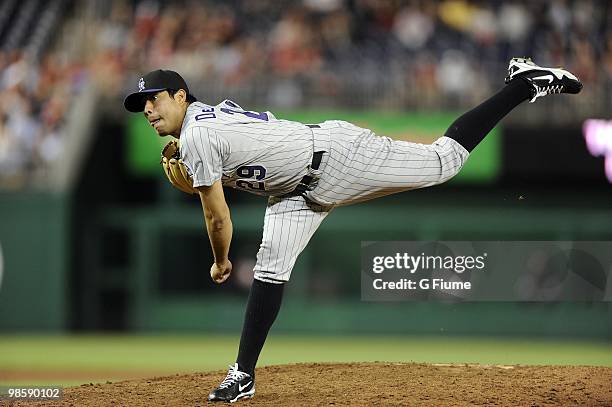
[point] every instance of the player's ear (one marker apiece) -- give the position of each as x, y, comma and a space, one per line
180, 96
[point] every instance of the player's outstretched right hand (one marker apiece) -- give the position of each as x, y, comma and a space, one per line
220, 272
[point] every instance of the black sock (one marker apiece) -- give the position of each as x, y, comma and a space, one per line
262, 308
469, 129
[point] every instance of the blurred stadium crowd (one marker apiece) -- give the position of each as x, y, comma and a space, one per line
419, 55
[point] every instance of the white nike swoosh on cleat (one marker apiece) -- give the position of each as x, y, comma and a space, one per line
240, 388
549, 77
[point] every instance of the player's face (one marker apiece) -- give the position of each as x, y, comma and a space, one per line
165, 113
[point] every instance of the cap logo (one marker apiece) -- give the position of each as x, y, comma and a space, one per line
141, 85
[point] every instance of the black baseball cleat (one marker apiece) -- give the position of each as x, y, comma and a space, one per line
237, 385
543, 81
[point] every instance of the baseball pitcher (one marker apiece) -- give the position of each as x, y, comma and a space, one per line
305, 170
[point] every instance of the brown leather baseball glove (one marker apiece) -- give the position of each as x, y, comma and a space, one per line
174, 168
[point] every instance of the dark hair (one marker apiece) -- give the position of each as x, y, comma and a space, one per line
190, 97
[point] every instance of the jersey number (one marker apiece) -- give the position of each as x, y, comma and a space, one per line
251, 171
252, 115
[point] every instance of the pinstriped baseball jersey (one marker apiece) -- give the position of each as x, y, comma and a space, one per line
263, 155
246, 150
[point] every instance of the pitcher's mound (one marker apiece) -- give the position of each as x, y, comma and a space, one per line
368, 384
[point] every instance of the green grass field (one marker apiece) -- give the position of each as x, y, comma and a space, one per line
73, 360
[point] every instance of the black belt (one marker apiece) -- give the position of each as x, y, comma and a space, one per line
304, 183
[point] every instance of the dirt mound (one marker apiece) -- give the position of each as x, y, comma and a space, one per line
367, 384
